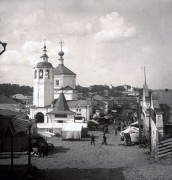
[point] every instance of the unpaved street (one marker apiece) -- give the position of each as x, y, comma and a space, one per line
79, 160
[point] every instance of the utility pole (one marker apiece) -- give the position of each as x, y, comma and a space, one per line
145, 74
139, 120
150, 122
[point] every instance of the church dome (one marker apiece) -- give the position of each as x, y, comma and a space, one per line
44, 65
61, 53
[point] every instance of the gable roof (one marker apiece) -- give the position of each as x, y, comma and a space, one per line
61, 69
162, 101
6, 100
20, 96
15, 125
96, 102
6, 112
78, 103
61, 106
8, 107
99, 98
67, 88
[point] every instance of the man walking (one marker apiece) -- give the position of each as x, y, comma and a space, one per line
92, 139
104, 139
116, 129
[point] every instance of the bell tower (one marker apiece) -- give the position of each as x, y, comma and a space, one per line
43, 93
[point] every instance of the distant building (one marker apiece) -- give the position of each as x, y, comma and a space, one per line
28, 100
82, 109
109, 101
9, 104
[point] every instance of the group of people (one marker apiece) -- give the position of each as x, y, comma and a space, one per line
93, 139
41, 150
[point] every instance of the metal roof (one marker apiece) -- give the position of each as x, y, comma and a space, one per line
61, 69
6, 100
61, 106
44, 65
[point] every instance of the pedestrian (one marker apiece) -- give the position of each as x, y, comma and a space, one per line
92, 139
104, 139
46, 149
43, 149
40, 150
116, 130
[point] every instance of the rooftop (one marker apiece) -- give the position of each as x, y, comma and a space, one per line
78, 103
162, 101
6, 100
61, 69
60, 106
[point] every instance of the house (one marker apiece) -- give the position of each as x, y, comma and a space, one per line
27, 100
83, 109
99, 108
109, 101
161, 112
7, 103
157, 115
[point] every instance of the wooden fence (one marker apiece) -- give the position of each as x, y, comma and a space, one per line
164, 148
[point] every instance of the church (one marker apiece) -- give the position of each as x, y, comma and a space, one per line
52, 88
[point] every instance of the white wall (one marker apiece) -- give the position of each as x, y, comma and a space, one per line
43, 94
69, 94
65, 80
85, 111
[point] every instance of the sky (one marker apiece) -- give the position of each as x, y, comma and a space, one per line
105, 41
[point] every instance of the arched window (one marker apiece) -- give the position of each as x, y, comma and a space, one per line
35, 75
47, 74
41, 74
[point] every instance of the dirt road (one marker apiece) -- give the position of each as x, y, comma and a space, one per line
79, 160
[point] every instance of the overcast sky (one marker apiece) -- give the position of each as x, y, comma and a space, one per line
105, 41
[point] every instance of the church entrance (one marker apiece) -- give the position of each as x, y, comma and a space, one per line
39, 117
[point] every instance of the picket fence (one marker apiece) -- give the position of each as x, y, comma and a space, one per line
164, 148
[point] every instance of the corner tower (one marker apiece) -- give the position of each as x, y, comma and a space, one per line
43, 82
64, 79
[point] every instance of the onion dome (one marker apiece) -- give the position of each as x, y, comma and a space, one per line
61, 53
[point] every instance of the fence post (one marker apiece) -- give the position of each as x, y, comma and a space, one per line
156, 148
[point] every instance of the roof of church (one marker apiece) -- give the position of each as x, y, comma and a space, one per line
44, 65
61, 69
67, 88
61, 106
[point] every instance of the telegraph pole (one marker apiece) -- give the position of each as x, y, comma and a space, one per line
139, 120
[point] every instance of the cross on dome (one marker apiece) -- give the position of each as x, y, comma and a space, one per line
61, 44
61, 53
